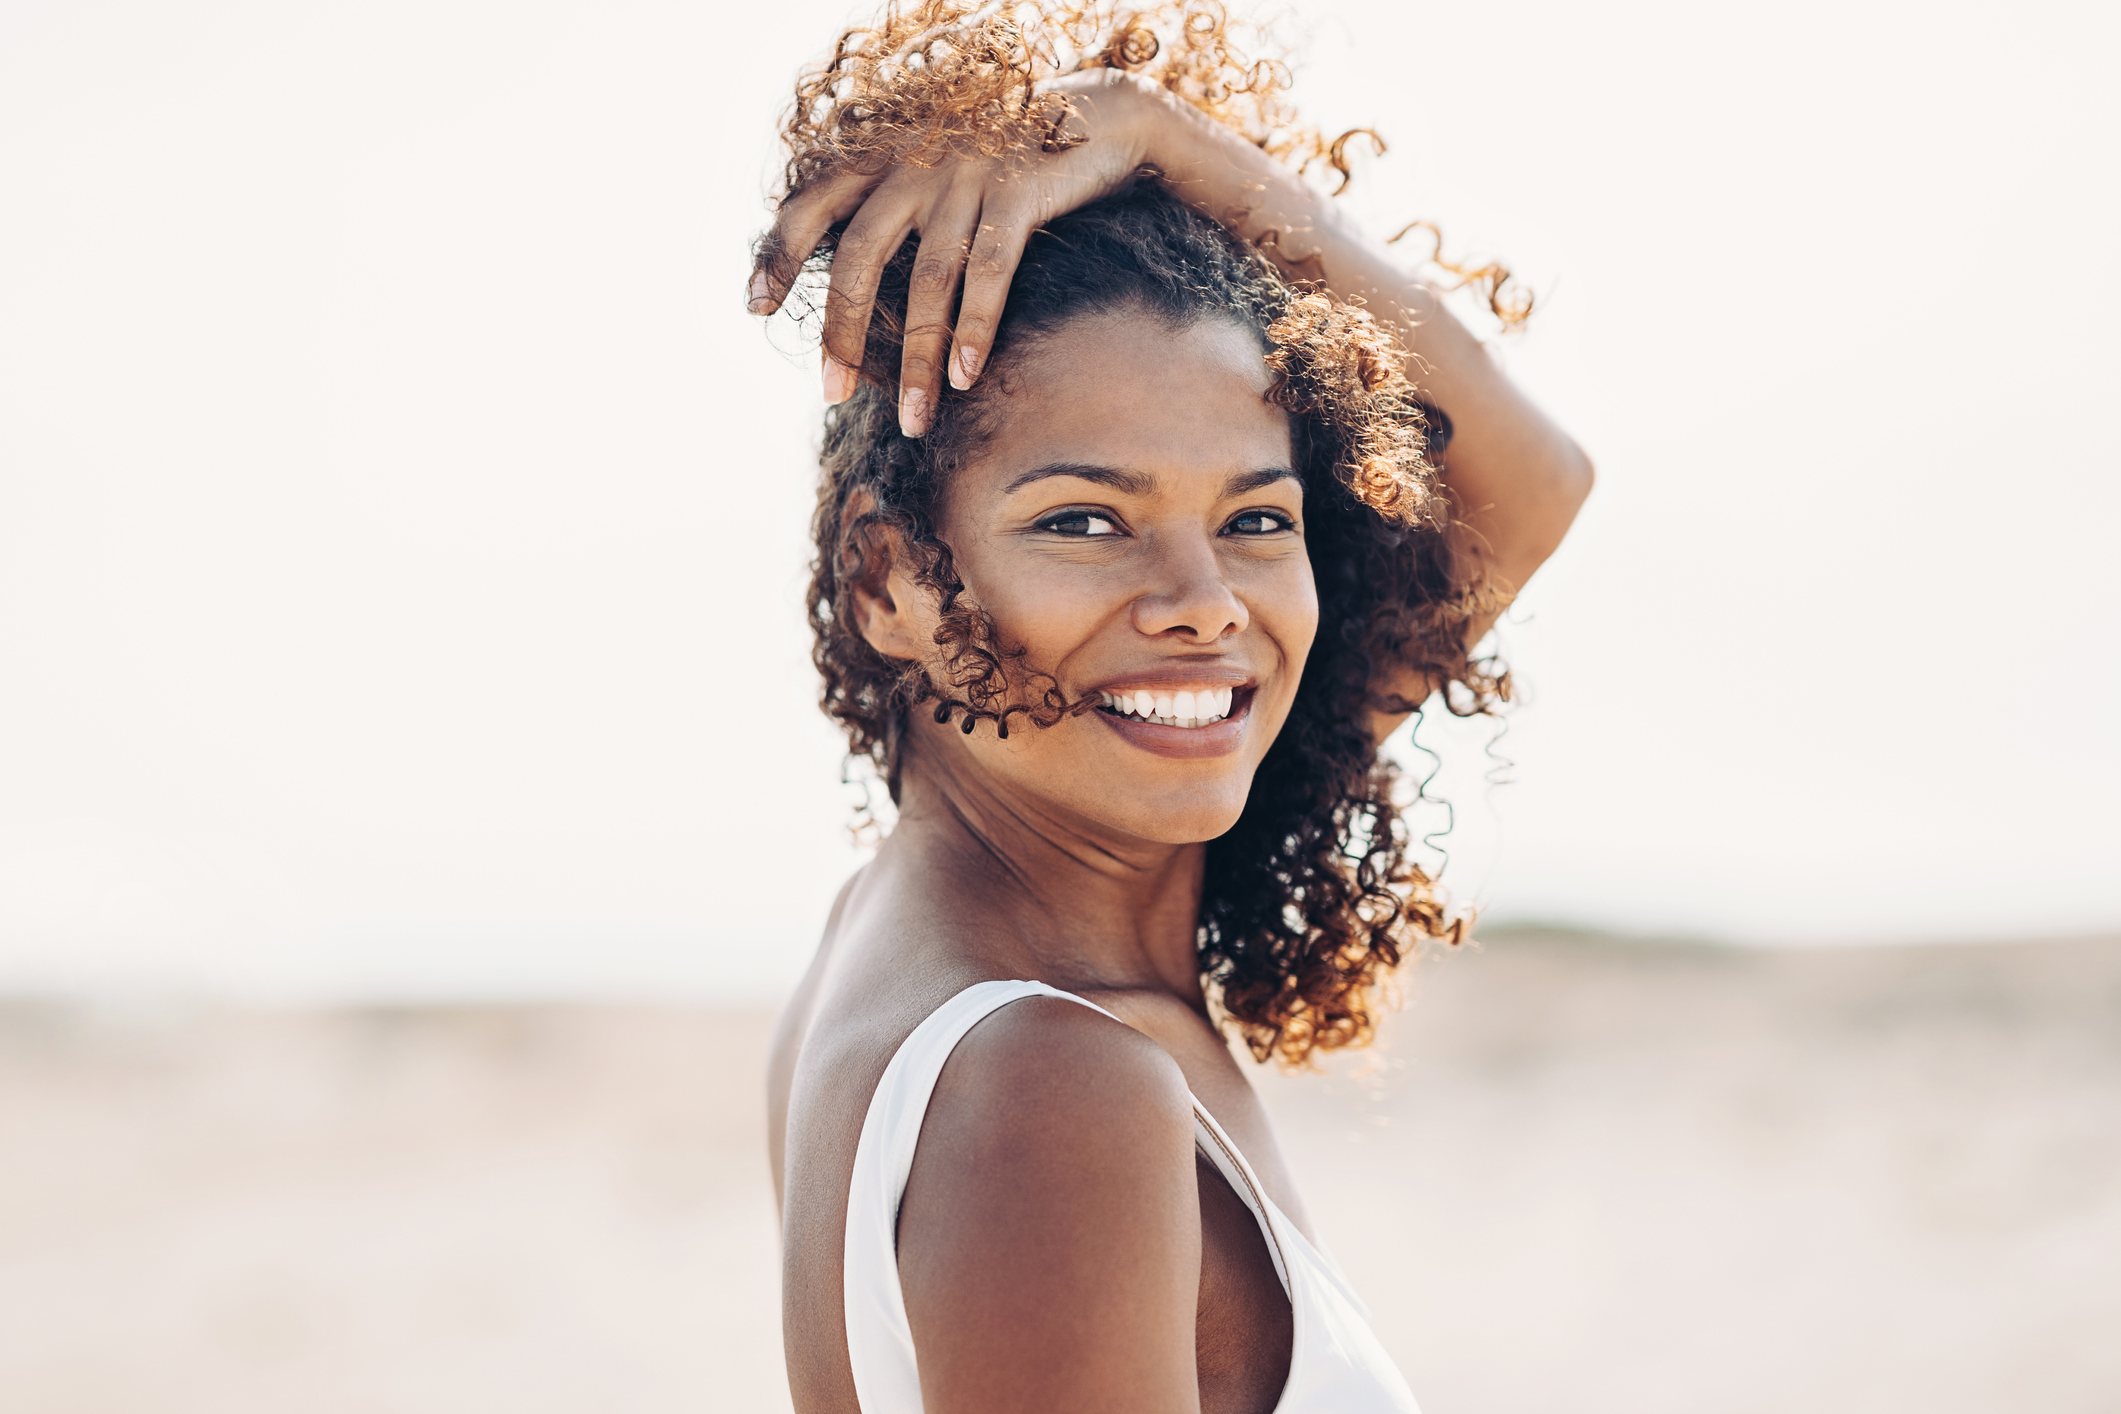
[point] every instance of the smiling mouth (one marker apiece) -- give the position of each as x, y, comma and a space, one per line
1198, 708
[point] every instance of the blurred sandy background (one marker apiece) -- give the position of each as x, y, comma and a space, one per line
412, 795
1582, 1174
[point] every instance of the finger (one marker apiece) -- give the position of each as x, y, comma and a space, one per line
946, 238
1006, 223
797, 229
864, 248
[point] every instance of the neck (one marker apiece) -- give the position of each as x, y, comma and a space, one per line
1052, 896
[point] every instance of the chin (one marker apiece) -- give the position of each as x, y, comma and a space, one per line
1191, 820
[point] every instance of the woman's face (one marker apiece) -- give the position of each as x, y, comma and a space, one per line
1137, 524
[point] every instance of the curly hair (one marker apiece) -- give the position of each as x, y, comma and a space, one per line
938, 79
1311, 898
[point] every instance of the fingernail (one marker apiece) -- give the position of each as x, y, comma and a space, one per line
839, 380
760, 296
913, 411
964, 367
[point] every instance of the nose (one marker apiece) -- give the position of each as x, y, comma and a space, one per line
1191, 599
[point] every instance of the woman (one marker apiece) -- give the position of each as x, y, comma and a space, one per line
1135, 540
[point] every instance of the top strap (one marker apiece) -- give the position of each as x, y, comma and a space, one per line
879, 1336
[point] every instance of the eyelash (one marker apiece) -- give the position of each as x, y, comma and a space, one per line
1053, 523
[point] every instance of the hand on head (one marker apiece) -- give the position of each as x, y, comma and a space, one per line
972, 216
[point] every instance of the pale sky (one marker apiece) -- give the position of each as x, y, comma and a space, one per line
402, 527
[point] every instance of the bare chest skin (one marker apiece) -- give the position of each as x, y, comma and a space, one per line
863, 996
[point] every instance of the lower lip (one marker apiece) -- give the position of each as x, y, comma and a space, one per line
1184, 743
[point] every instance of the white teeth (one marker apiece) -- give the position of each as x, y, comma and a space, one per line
1174, 709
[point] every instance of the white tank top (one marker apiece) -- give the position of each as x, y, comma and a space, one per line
1335, 1363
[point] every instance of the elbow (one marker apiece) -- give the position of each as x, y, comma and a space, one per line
1550, 514
1569, 486
1578, 477
1574, 478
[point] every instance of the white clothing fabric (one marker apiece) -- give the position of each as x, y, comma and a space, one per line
1336, 1365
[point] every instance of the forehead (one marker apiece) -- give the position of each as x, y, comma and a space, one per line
1127, 390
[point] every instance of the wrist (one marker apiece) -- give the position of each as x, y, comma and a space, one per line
1192, 149
1217, 171
1110, 112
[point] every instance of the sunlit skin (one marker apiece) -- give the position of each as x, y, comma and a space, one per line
1060, 1247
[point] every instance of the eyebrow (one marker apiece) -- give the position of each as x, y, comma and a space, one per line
1135, 483
1246, 482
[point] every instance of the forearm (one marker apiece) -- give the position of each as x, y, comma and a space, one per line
1516, 477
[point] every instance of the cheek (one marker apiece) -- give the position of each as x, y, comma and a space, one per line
1049, 615
1287, 609
1048, 606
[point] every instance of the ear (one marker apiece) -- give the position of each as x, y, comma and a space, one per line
891, 610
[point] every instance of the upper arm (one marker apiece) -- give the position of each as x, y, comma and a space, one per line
1516, 481
1049, 1239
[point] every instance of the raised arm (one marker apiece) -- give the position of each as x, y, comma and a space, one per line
1517, 478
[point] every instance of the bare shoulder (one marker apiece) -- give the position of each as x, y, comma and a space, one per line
1059, 1096
1049, 1238
1062, 1054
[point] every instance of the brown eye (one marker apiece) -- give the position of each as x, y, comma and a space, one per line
1079, 523
1260, 523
